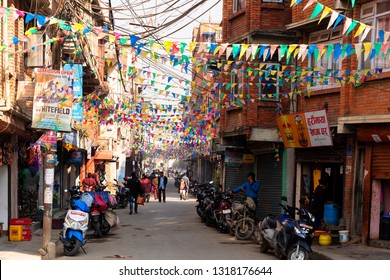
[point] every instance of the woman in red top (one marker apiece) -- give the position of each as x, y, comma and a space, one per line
146, 185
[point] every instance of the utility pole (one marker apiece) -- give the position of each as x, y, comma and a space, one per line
50, 162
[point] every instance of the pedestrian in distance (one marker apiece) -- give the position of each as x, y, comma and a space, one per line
135, 190
146, 185
155, 186
162, 186
183, 190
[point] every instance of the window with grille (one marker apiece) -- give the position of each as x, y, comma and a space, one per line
377, 15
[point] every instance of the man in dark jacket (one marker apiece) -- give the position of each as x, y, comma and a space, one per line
135, 188
162, 186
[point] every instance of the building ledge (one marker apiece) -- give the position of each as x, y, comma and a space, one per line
344, 122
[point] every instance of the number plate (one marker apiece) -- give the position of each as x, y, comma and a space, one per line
226, 211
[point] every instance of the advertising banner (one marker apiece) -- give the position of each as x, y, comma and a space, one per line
77, 109
233, 157
53, 96
305, 130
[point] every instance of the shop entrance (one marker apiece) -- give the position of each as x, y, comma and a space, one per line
333, 172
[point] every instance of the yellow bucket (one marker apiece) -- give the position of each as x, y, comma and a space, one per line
325, 239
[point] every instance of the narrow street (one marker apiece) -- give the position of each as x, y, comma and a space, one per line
167, 231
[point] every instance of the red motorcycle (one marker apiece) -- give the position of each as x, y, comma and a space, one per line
98, 208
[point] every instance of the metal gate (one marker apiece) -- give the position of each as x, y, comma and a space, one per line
269, 175
236, 176
380, 163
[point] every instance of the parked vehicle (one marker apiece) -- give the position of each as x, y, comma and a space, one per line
75, 226
289, 238
222, 211
241, 222
98, 209
122, 194
204, 197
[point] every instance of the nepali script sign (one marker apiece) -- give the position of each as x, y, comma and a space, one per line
52, 104
305, 130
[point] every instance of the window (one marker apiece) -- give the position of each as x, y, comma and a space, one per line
238, 5
273, 1
376, 15
324, 68
269, 81
236, 89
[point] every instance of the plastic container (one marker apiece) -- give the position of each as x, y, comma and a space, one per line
15, 232
343, 236
325, 239
331, 214
384, 228
20, 221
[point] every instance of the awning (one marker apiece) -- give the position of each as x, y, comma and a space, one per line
103, 155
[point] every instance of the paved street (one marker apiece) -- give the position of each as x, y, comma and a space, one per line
166, 231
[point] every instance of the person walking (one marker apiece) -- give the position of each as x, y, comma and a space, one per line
162, 186
155, 186
183, 189
135, 190
146, 185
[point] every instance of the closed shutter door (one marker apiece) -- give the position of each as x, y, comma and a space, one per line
380, 164
269, 175
236, 176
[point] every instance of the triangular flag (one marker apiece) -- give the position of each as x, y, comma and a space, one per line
318, 8
228, 52
333, 17
254, 48
168, 46
347, 24
223, 48
365, 33
29, 17
353, 25
236, 50
325, 12
361, 28
244, 47
367, 49
309, 4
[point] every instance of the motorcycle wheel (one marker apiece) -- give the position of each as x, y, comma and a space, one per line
301, 254
105, 227
73, 248
98, 229
244, 229
264, 245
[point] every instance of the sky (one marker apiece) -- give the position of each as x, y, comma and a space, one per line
182, 29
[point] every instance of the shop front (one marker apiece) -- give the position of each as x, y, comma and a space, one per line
374, 187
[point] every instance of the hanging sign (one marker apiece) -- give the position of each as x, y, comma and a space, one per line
52, 104
305, 130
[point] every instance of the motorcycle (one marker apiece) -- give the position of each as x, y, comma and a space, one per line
204, 197
122, 195
289, 238
98, 209
241, 222
222, 211
75, 227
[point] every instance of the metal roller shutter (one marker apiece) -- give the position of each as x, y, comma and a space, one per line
236, 176
269, 175
380, 165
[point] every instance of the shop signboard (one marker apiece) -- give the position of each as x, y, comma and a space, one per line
305, 130
233, 157
53, 96
77, 83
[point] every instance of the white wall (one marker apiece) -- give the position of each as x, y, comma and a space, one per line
4, 196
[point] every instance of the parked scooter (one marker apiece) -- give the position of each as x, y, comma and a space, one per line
122, 194
75, 226
289, 238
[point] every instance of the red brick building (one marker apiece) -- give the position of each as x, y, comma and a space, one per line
324, 66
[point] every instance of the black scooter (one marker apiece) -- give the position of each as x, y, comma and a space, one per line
288, 237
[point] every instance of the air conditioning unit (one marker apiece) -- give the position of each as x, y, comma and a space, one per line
341, 5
